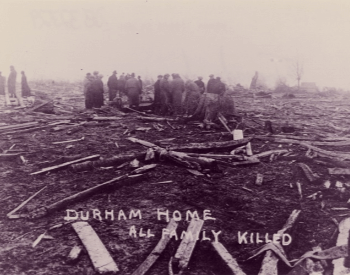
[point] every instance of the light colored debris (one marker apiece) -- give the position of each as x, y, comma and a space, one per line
66, 141
195, 172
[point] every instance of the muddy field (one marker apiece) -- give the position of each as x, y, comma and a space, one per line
231, 195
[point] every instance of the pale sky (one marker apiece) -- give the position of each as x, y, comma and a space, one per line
64, 39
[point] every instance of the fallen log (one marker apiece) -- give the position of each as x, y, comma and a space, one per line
210, 146
122, 180
269, 264
228, 259
64, 165
34, 109
100, 258
155, 118
154, 255
116, 160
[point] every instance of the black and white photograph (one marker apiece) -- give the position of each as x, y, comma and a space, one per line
180, 137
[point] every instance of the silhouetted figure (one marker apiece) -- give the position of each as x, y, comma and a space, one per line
2, 84
132, 87
211, 84
112, 86
165, 95
25, 87
11, 82
157, 96
177, 87
200, 84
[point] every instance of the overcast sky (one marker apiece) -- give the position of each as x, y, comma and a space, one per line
64, 40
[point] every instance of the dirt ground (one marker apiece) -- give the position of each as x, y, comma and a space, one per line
235, 201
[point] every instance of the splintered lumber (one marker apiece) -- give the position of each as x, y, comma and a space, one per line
228, 259
122, 180
308, 172
113, 161
8, 156
100, 257
268, 153
74, 254
237, 157
209, 146
186, 247
64, 165
142, 142
18, 126
39, 106
154, 255
98, 118
343, 237
143, 118
338, 171
269, 264
249, 161
223, 122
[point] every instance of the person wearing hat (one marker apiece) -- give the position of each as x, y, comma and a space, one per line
112, 85
2, 84
94, 94
177, 87
95, 74
25, 87
157, 96
200, 84
11, 82
211, 84
165, 107
132, 87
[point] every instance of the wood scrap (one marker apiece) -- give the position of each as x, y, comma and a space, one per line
308, 172
100, 257
236, 157
155, 118
67, 141
18, 126
338, 171
269, 264
10, 156
38, 213
34, 109
74, 254
154, 255
268, 153
65, 165
110, 118
342, 239
249, 161
142, 142
228, 259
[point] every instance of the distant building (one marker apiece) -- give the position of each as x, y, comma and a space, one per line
308, 87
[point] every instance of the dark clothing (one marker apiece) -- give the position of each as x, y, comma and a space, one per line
192, 98
164, 96
200, 85
211, 85
121, 86
11, 83
141, 85
219, 88
95, 94
157, 97
2, 85
112, 86
177, 87
25, 87
132, 87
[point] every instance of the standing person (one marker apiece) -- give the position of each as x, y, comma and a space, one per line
192, 97
141, 84
164, 95
95, 73
25, 87
112, 86
89, 92
211, 84
96, 89
157, 96
177, 87
132, 87
121, 85
86, 81
200, 84
2, 84
11, 82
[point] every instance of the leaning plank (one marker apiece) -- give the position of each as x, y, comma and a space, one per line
269, 264
229, 260
151, 259
38, 213
39, 106
209, 146
185, 250
338, 171
66, 164
343, 236
100, 257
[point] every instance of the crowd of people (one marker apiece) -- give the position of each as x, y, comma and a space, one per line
171, 96
11, 84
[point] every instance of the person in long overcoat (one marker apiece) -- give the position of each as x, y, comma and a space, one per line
200, 84
11, 82
211, 84
95, 91
25, 87
192, 97
164, 95
121, 85
89, 93
2, 84
112, 84
157, 96
177, 87
132, 87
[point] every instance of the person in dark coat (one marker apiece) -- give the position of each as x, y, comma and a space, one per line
11, 82
95, 92
141, 84
132, 87
165, 95
89, 92
2, 84
211, 84
200, 84
157, 96
177, 87
25, 87
112, 84
121, 85
219, 87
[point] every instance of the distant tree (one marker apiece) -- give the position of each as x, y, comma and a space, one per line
298, 70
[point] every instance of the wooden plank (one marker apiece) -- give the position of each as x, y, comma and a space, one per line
10, 156
338, 171
154, 255
185, 250
66, 164
269, 264
17, 126
100, 257
229, 260
344, 227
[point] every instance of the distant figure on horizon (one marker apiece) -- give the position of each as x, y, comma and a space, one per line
211, 84
200, 84
112, 86
2, 84
141, 84
121, 85
177, 87
11, 82
25, 87
132, 87
157, 96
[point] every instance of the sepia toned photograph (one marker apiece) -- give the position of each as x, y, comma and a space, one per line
180, 137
